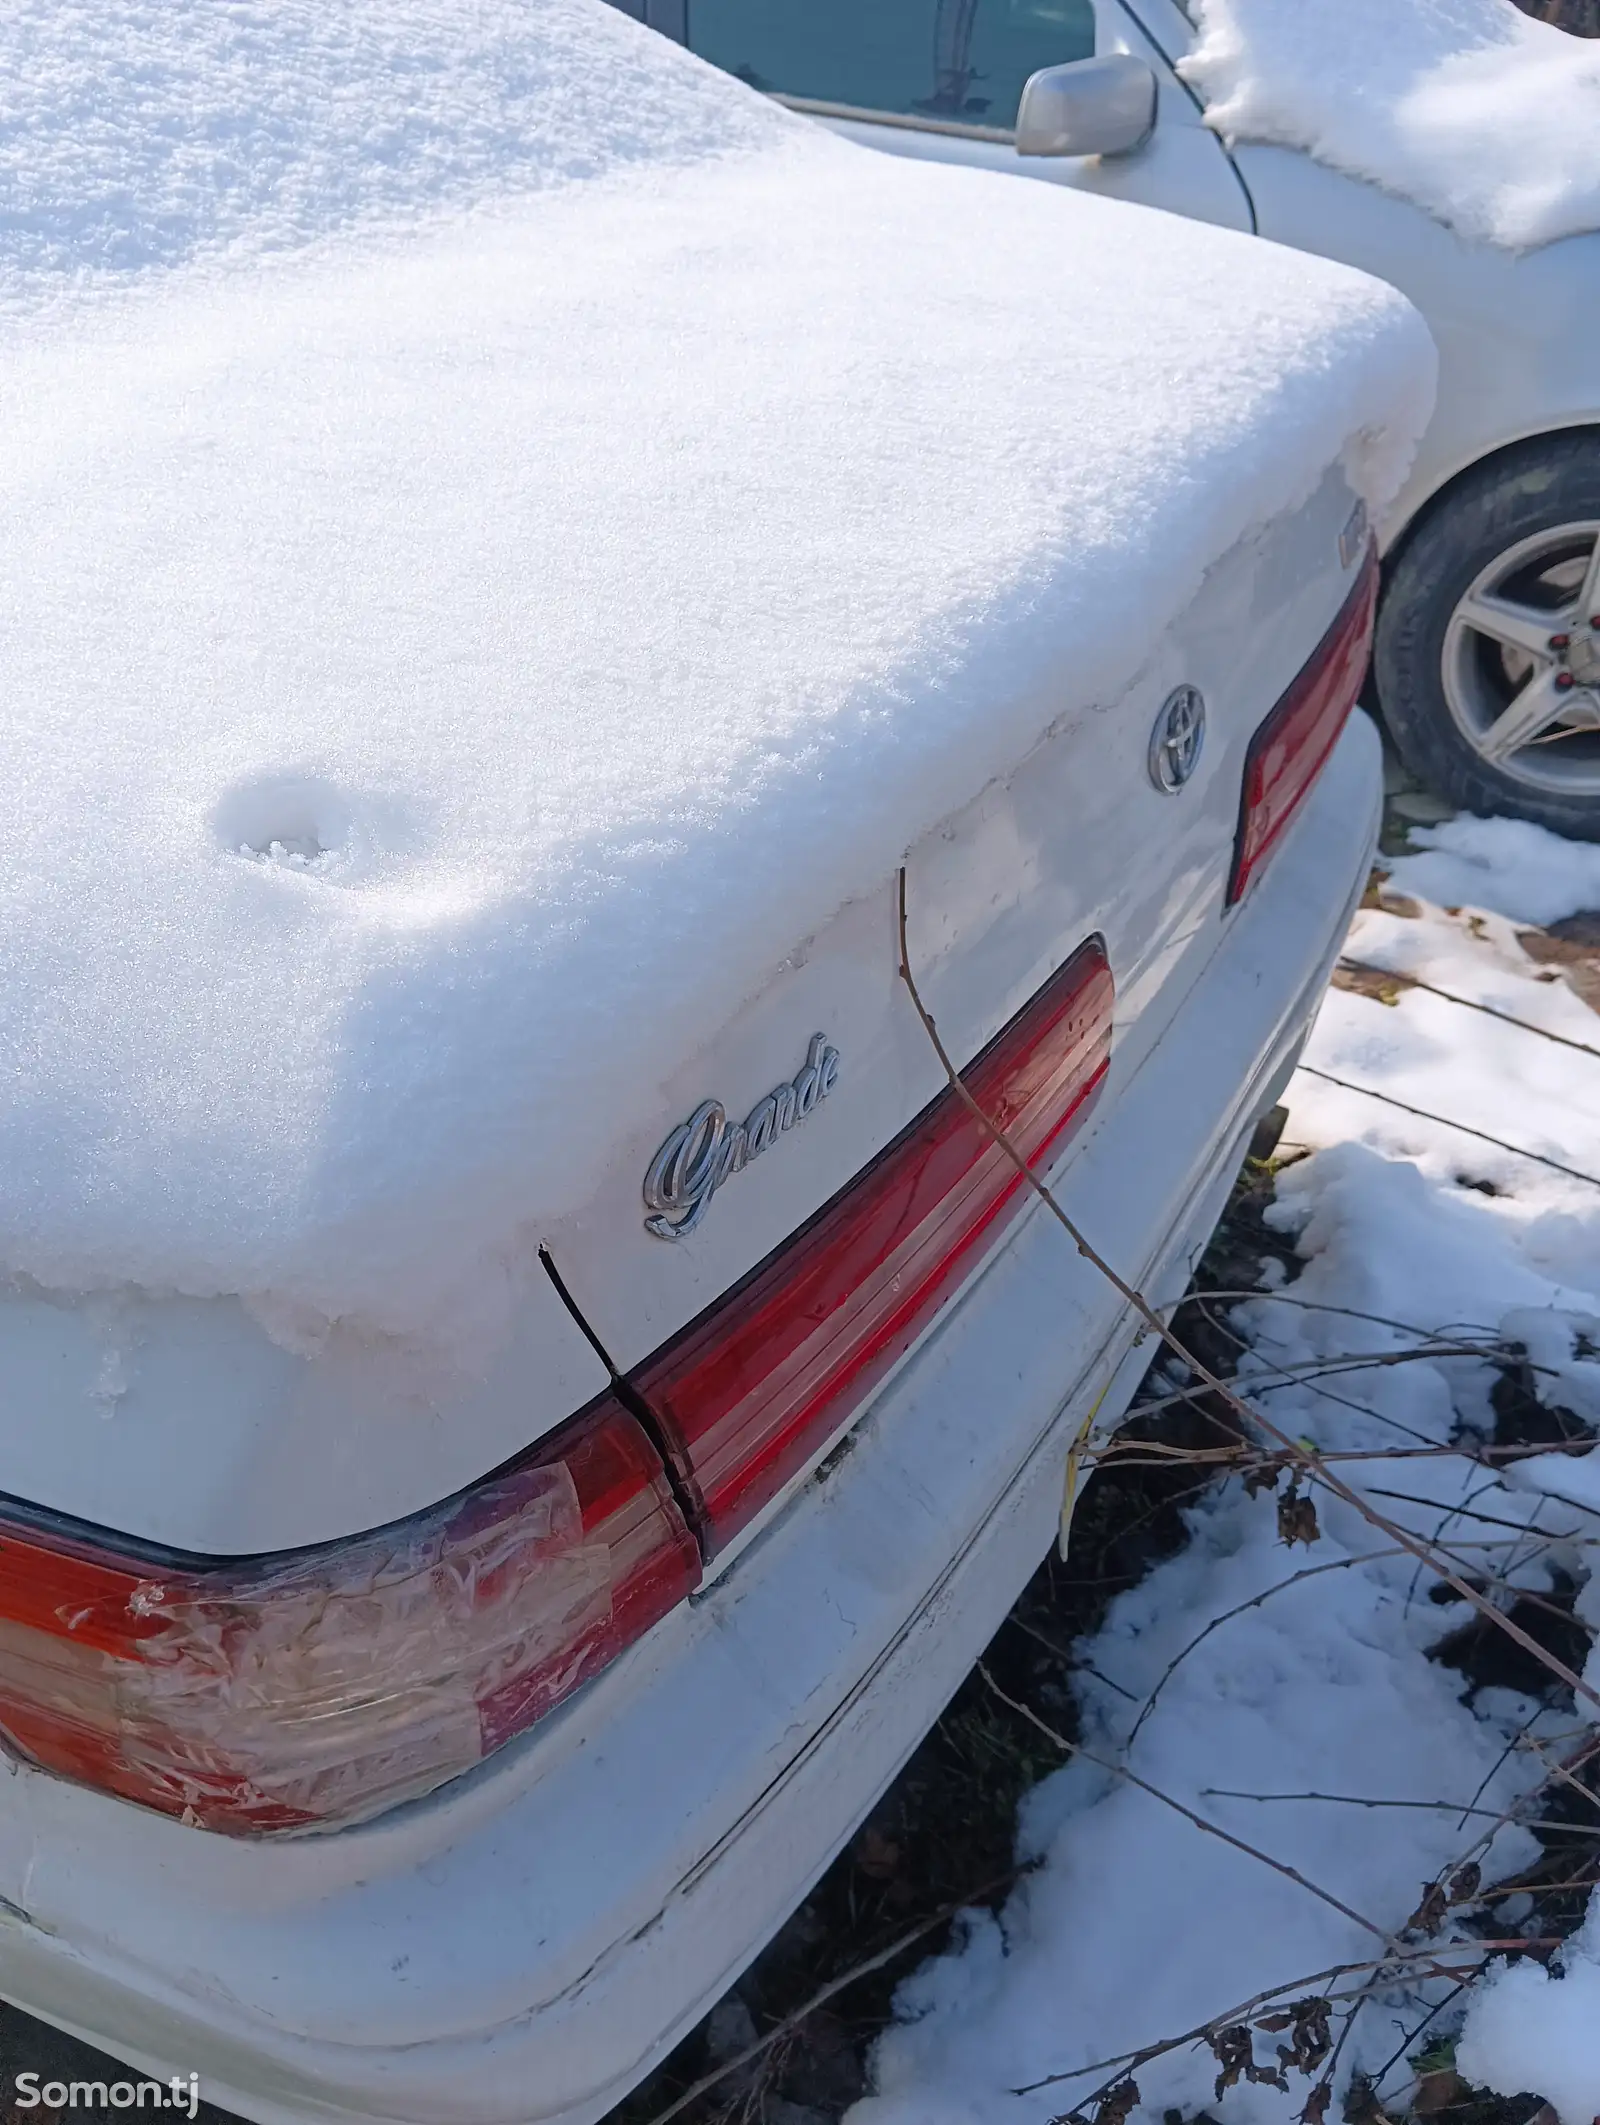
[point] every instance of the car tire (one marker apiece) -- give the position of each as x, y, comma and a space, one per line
1490, 621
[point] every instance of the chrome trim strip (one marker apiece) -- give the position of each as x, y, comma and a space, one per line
813, 107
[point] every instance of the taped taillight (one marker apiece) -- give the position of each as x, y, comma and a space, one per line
759, 1383
1289, 750
320, 1687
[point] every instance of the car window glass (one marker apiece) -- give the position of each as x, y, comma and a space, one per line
961, 60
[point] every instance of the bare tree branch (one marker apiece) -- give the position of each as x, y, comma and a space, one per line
1119, 1770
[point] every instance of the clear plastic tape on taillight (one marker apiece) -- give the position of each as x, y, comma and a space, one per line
326, 1685
1289, 750
749, 1392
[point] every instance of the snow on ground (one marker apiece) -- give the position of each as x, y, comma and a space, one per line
1503, 865
1486, 119
1136, 1925
1529, 2031
489, 563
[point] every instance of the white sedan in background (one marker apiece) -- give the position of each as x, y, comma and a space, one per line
1457, 155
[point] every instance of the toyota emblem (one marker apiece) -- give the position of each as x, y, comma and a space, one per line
1176, 741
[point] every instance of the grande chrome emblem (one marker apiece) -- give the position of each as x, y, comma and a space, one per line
700, 1153
1177, 738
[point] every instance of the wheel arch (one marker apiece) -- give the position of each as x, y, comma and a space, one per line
1441, 493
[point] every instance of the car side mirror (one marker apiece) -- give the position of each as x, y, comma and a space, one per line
1104, 106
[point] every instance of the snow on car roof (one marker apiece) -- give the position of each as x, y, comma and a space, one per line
502, 533
1484, 118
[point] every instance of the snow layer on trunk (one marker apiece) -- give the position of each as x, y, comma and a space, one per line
1486, 119
502, 533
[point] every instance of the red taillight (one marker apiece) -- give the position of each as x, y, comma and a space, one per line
1287, 753
775, 1368
322, 1687
325, 1686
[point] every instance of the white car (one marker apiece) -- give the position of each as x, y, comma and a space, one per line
1488, 646
523, 1387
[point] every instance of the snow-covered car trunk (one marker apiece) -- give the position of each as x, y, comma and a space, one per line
492, 608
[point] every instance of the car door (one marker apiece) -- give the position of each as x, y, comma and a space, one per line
942, 79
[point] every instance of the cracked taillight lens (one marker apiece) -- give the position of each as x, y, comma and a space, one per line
1289, 750
764, 1379
320, 1687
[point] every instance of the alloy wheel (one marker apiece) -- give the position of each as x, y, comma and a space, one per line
1521, 661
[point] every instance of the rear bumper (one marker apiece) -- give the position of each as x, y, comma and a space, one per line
524, 1944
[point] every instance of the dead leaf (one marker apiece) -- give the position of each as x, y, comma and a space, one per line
1311, 2041
1380, 894
1429, 1914
1315, 2110
1466, 1882
1361, 2106
1236, 2054
1570, 948
1265, 1474
1117, 2103
1235, 2050
1437, 2091
1374, 983
1297, 1519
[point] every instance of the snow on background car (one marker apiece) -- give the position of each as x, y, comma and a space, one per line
427, 658
1489, 121
1135, 1926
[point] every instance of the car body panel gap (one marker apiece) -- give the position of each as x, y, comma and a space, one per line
685, 1494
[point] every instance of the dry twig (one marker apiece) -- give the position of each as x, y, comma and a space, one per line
1119, 1770
1311, 1463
